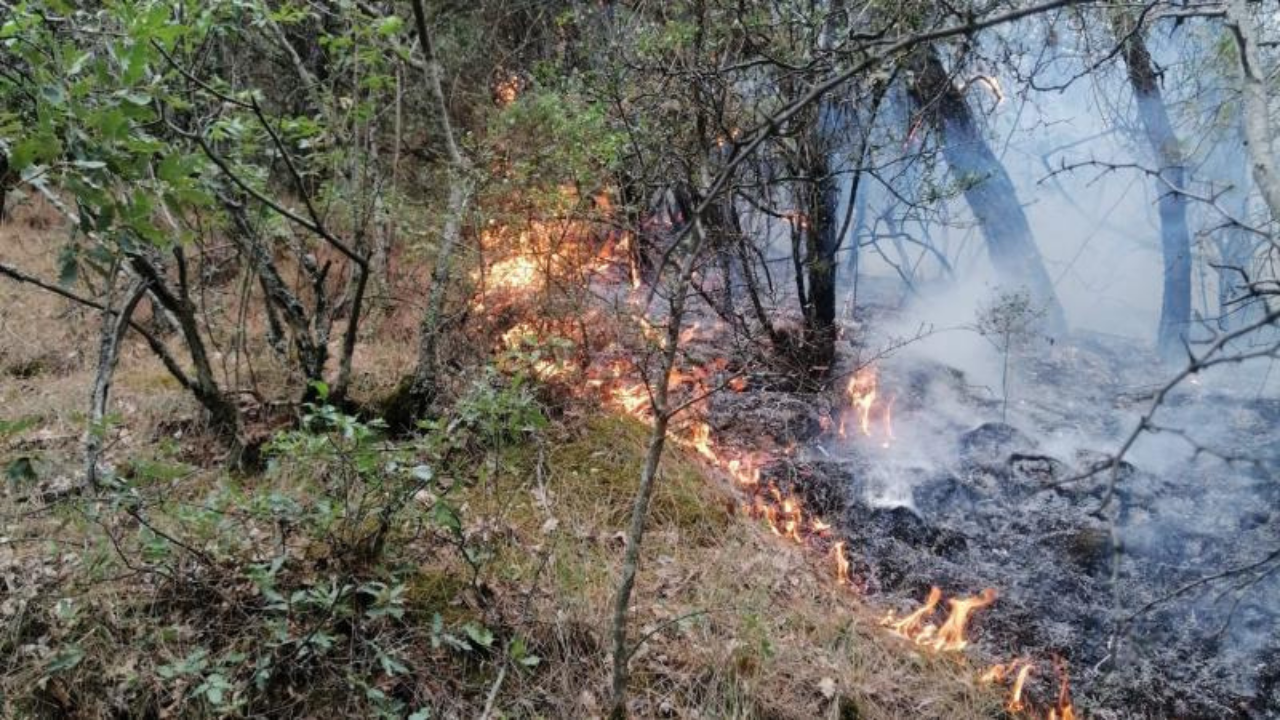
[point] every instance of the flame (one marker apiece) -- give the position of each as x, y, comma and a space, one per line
951, 635
1020, 671
1065, 710
842, 563
867, 408
700, 440
1016, 703
632, 398
507, 90
744, 472
526, 261
518, 273
862, 393
911, 626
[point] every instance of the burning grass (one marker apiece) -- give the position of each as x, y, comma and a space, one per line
739, 624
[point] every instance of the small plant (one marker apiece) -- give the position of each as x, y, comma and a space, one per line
1008, 322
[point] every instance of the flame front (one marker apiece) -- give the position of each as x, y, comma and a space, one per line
1016, 703
523, 263
867, 408
912, 626
951, 637
842, 563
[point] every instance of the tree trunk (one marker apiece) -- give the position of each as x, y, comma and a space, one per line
649, 474
1257, 124
224, 416
416, 393
987, 186
1175, 238
822, 241
114, 325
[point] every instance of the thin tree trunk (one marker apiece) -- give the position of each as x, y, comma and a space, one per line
1257, 124
1175, 238
114, 325
224, 416
648, 475
987, 186
416, 395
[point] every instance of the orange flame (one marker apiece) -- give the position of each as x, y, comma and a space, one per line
842, 563
1065, 710
951, 636
862, 393
911, 626
867, 407
1016, 703
700, 440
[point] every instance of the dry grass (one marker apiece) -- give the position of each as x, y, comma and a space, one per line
743, 625
738, 623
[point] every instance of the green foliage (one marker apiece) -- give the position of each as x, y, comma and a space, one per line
552, 136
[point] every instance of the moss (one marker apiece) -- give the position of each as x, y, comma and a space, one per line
600, 470
433, 590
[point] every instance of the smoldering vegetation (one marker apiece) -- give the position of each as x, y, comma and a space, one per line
401, 325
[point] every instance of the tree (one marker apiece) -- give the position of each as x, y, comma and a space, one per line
1175, 237
986, 184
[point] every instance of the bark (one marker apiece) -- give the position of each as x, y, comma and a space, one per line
648, 475
987, 186
224, 416
157, 346
1175, 238
822, 241
114, 325
1253, 95
5, 180
415, 396
312, 355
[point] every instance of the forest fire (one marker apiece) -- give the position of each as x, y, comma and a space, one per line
1017, 673
867, 412
863, 392
950, 637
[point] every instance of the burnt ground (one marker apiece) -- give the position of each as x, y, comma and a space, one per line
964, 501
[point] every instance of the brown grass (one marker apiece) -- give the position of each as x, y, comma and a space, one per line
738, 623
743, 624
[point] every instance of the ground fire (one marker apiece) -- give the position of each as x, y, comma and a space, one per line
867, 413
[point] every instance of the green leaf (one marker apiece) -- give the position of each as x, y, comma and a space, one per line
21, 469
65, 659
68, 265
389, 26
479, 634
13, 427
445, 517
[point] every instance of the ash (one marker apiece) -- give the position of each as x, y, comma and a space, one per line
1113, 573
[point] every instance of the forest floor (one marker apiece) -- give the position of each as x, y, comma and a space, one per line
150, 601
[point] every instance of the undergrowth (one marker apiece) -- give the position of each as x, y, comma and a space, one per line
465, 571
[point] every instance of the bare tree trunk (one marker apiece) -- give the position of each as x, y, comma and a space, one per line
822, 240
648, 475
114, 325
1257, 123
224, 416
1175, 238
987, 186
157, 346
417, 393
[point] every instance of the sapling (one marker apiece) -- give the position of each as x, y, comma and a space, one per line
1008, 322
